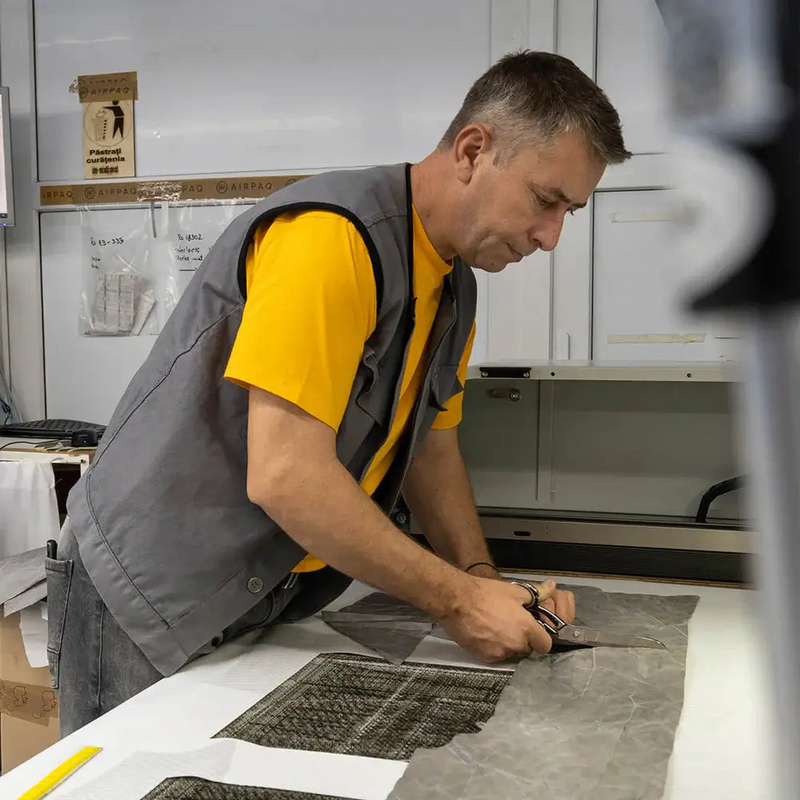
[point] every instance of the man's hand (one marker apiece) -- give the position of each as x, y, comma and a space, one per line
561, 601
493, 623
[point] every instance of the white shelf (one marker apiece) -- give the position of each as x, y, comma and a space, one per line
690, 371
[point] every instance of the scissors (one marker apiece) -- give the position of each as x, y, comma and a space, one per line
570, 636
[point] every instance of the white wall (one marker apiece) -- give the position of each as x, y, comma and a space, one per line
364, 84
263, 88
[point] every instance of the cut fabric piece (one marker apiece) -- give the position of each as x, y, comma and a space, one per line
201, 789
386, 605
24, 599
591, 724
343, 703
390, 627
20, 572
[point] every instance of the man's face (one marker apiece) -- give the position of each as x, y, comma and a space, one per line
511, 211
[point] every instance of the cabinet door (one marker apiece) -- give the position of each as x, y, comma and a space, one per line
514, 307
630, 58
639, 290
499, 438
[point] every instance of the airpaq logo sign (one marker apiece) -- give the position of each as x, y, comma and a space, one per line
107, 87
227, 188
259, 186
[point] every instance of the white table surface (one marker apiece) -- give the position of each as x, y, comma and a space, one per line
722, 746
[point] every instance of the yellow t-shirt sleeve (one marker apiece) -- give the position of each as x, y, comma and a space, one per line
455, 405
311, 304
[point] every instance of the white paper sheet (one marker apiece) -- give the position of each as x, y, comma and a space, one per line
28, 507
34, 635
244, 764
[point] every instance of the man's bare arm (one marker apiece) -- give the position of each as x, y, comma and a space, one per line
440, 496
294, 475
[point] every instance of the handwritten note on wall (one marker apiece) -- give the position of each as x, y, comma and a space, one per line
192, 232
190, 249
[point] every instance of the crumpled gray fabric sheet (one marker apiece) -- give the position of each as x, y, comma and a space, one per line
24, 599
389, 627
590, 724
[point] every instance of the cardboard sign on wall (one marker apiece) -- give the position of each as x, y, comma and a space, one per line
108, 124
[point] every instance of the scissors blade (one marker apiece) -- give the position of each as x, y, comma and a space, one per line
593, 637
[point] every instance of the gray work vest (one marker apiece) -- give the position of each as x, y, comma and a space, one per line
166, 531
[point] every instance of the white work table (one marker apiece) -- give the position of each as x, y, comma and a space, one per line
723, 743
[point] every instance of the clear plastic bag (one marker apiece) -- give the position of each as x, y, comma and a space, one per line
127, 273
191, 230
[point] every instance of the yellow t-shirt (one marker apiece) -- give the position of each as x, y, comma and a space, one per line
311, 305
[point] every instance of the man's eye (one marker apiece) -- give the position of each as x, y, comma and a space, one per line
545, 203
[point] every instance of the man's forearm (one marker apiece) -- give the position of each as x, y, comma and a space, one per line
325, 511
438, 492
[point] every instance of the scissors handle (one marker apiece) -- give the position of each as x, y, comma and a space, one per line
549, 620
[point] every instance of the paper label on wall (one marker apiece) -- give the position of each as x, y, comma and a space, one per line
656, 338
108, 139
106, 86
219, 188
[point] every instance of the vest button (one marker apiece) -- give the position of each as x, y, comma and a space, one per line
255, 585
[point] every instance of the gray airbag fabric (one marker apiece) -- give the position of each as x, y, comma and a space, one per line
589, 724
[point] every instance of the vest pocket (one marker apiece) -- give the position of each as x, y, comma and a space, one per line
59, 583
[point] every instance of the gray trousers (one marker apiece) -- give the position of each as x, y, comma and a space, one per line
94, 665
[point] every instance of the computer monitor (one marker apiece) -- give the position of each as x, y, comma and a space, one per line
6, 185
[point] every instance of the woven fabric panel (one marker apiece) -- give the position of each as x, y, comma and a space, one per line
200, 789
355, 705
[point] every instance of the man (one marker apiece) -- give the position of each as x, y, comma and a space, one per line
313, 368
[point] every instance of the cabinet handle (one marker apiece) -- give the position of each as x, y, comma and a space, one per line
514, 395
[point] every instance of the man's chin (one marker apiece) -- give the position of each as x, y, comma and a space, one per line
491, 267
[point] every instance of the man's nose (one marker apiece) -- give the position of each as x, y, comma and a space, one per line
548, 232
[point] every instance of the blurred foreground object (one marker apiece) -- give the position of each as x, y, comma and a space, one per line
735, 83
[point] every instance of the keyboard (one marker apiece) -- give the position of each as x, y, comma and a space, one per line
50, 428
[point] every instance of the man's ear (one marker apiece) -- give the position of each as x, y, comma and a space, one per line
472, 143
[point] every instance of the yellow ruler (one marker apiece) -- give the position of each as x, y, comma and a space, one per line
60, 773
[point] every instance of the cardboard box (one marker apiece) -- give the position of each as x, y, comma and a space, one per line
28, 704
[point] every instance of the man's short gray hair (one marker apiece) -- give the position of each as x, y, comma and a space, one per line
533, 97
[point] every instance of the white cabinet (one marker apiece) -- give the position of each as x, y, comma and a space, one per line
631, 53
640, 302
611, 289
